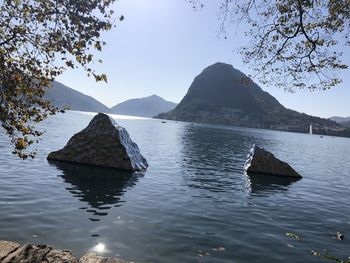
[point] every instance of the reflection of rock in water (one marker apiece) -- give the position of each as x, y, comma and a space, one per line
212, 157
100, 188
263, 184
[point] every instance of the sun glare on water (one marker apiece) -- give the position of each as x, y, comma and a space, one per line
100, 248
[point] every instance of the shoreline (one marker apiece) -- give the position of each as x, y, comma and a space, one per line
12, 252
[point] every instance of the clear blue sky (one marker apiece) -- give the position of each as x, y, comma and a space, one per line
163, 44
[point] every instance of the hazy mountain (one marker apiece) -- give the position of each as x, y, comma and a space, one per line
344, 121
144, 107
62, 96
340, 119
222, 94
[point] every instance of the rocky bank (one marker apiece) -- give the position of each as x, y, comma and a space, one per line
11, 252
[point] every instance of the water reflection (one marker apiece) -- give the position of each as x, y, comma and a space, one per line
264, 184
99, 188
213, 161
100, 248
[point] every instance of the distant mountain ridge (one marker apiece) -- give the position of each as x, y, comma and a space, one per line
340, 119
344, 121
144, 107
221, 94
62, 96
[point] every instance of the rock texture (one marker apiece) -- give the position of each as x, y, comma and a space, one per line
261, 161
102, 143
93, 258
11, 252
34, 254
6, 247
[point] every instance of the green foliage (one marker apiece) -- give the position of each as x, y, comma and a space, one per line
39, 40
295, 43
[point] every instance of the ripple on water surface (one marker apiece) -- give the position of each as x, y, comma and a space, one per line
193, 204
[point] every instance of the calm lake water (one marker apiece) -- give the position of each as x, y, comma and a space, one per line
193, 204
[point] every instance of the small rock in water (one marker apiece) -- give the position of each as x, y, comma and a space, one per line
102, 143
261, 161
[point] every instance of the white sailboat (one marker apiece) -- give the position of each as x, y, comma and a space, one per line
310, 131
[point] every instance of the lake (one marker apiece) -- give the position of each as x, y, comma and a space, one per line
193, 204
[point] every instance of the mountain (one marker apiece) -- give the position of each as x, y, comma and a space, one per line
62, 96
340, 119
144, 107
222, 94
344, 121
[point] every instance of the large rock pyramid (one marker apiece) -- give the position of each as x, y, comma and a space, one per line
102, 143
